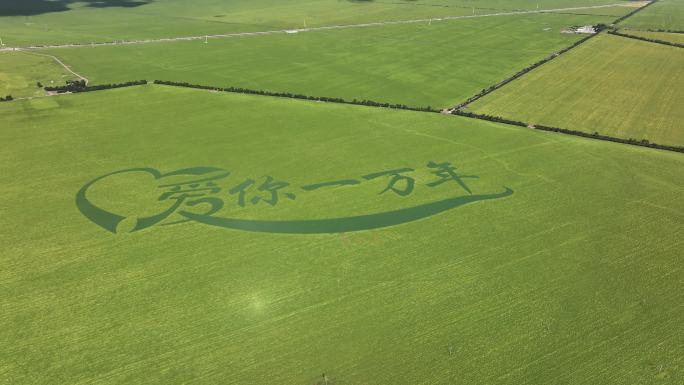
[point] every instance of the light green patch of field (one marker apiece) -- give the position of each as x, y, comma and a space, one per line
664, 36
20, 73
575, 278
65, 21
438, 64
611, 85
664, 14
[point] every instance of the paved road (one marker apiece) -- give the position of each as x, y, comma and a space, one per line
313, 29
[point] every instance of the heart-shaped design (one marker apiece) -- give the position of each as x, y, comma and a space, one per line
110, 221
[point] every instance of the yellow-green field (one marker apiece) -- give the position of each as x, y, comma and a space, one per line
574, 278
611, 85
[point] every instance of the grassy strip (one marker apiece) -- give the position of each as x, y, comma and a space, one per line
239, 90
656, 41
595, 135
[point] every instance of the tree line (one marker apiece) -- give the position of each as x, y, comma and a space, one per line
595, 135
657, 41
665, 30
363, 102
486, 91
76, 86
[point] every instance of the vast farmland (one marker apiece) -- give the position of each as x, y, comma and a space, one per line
438, 64
517, 288
283, 208
28, 22
610, 85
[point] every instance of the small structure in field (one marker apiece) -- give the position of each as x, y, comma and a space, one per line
587, 29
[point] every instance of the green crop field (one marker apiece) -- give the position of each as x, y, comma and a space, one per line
571, 278
664, 14
610, 85
21, 72
28, 22
438, 64
300, 230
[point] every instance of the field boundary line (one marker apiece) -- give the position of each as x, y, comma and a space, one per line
595, 135
312, 29
653, 41
289, 95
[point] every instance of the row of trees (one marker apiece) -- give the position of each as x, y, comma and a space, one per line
363, 102
595, 135
490, 118
657, 41
71, 86
7, 98
665, 30
486, 91
81, 86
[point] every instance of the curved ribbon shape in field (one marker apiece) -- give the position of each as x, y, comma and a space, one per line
346, 224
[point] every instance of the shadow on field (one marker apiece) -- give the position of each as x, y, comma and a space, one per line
39, 7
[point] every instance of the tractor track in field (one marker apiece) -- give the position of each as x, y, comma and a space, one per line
312, 29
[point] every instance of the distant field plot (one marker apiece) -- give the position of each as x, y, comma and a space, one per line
574, 277
615, 12
438, 64
20, 74
664, 14
611, 85
671, 37
28, 22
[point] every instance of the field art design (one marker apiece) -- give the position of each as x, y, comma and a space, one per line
341, 192
195, 192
